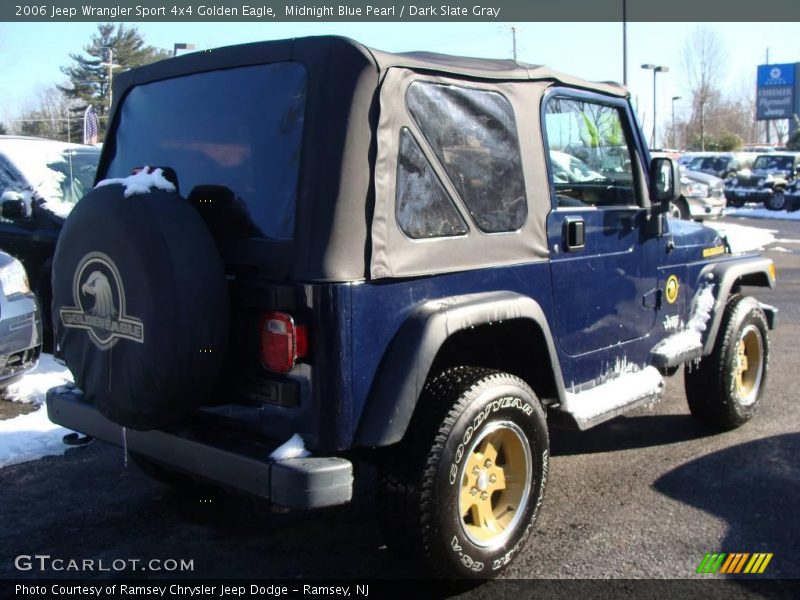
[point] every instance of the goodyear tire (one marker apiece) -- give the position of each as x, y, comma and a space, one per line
776, 200
140, 305
724, 391
464, 487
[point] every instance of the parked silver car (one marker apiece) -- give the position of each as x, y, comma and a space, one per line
702, 195
20, 322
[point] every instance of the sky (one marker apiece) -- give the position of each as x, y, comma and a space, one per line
31, 53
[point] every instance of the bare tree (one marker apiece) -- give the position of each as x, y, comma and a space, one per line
45, 116
703, 59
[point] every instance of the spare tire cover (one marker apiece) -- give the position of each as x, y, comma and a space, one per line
140, 305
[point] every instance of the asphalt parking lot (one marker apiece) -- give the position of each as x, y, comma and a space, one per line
644, 496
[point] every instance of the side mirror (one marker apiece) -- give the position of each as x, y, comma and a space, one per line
665, 183
13, 206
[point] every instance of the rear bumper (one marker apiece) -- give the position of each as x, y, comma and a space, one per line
303, 483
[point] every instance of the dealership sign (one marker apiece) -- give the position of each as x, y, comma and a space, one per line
776, 92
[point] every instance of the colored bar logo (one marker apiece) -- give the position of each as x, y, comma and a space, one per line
735, 563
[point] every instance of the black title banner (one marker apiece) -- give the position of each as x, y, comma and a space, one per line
75, 589
402, 11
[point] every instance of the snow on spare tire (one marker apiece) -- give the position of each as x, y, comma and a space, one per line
140, 301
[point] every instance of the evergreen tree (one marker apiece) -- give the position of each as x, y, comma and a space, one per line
89, 81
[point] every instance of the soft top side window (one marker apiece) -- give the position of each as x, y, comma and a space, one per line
424, 210
473, 134
589, 154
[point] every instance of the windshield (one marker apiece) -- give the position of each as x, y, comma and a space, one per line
773, 163
58, 174
237, 128
709, 163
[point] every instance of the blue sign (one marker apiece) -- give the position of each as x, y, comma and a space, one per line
776, 92
769, 75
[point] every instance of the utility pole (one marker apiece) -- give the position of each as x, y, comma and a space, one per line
110, 76
514, 41
110, 64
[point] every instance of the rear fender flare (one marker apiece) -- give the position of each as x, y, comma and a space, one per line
404, 369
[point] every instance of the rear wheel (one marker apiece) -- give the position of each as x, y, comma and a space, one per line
725, 389
776, 200
464, 488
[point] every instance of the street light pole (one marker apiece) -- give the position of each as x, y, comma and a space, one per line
181, 46
624, 43
673, 120
655, 69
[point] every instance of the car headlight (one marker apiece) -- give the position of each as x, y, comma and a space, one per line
762, 181
731, 181
14, 279
697, 190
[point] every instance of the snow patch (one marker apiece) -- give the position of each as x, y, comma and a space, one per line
141, 183
755, 211
614, 393
58, 208
691, 338
293, 448
33, 386
29, 437
742, 238
779, 249
33, 436
36, 161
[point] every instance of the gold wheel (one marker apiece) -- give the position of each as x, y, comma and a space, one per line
748, 365
495, 484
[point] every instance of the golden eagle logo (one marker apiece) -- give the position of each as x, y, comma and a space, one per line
97, 285
100, 307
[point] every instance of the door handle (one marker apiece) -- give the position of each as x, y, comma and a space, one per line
574, 233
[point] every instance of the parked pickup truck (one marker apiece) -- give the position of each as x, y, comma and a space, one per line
364, 256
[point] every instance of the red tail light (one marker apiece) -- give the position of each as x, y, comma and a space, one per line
282, 342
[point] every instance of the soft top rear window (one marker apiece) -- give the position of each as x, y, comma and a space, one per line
240, 128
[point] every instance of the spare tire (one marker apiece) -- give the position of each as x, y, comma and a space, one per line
140, 305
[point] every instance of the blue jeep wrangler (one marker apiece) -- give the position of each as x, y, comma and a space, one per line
375, 260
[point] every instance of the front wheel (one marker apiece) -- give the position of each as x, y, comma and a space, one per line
464, 487
734, 202
679, 209
724, 390
776, 200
